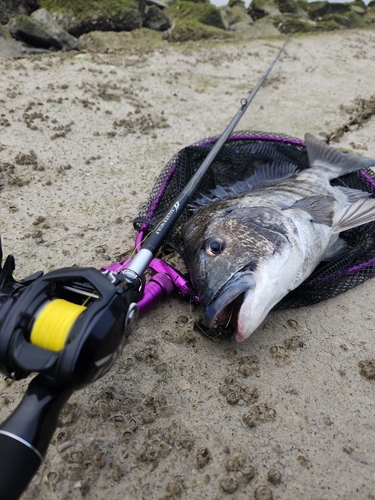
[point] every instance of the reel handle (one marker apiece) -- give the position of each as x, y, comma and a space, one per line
25, 436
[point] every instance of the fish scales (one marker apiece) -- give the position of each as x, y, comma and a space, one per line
250, 244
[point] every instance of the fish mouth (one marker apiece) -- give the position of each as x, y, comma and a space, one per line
224, 307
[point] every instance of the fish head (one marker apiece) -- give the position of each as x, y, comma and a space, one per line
238, 259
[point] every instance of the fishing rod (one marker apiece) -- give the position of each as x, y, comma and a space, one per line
70, 325
157, 237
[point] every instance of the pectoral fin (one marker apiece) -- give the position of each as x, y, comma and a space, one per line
320, 208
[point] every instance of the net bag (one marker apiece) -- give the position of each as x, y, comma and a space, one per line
242, 154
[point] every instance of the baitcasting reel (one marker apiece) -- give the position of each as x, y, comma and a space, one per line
69, 325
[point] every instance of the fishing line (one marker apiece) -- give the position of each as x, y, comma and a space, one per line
54, 323
231, 314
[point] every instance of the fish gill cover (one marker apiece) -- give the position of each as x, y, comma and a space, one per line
243, 153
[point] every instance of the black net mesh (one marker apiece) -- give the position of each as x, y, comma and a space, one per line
242, 154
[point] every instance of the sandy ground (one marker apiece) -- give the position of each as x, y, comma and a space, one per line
161, 424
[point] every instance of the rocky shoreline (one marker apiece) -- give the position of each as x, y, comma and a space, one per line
35, 26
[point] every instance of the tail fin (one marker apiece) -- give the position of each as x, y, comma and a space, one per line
334, 162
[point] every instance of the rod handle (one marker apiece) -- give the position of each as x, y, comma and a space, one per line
19, 463
26, 434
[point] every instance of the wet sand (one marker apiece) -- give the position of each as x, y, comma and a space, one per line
287, 414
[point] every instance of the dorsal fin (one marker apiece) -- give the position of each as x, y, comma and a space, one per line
333, 162
266, 174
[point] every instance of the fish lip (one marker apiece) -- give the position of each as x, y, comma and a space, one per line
238, 284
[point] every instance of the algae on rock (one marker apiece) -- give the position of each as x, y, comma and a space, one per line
203, 13
234, 13
79, 16
323, 8
350, 20
291, 16
193, 30
39, 34
289, 23
156, 19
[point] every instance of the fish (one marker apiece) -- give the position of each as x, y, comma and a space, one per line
248, 245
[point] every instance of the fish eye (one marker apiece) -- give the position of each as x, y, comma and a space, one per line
214, 246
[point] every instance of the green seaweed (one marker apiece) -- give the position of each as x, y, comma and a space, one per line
322, 8
198, 12
193, 30
83, 9
350, 20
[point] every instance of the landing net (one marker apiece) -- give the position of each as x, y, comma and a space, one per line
243, 153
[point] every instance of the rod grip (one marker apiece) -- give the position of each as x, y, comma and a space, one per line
26, 434
19, 463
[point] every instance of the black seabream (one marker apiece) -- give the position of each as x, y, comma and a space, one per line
249, 245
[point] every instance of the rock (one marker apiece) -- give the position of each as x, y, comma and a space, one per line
350, 20
4, 33
81, 16
34, 33
262, 8
65, 40
155, 19
369, 18
235, 16
262, 28
203, 13
289, 23
159, 4
236, 3
288, 6
10, 8
197, 1
359, 7
194, 30
8, 47
240, 27
290, 16
319, 9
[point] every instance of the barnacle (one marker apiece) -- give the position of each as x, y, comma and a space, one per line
263, 493
229, 484
203, 457
274, 476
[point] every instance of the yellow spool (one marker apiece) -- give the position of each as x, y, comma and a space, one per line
53, 324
